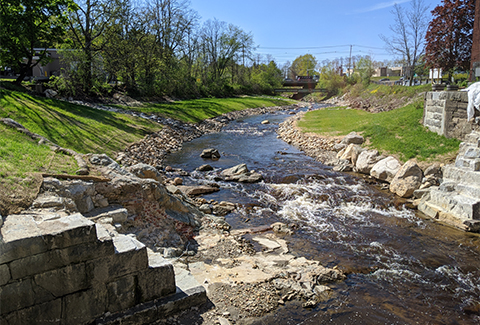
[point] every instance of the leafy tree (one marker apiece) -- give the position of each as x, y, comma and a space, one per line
27, 29
266, 77
220, 44
449, 36
408, 39
303, 65
87, 27
365, 69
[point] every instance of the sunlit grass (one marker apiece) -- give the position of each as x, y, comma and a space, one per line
396, 132
197, 110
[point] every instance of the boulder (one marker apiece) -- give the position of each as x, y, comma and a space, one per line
205, 168
146, 171
407, 180
339, 146
434, 169
210, 153
352, 137
177, 181
240, 173
198, 190
386, 169
366, 159
351, 153
223, 208
343, 165
50, 93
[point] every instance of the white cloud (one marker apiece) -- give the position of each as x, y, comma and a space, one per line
381, 5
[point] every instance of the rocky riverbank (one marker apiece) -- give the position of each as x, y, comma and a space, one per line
346, 154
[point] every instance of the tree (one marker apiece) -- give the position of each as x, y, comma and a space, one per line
87, 25
449, 36
221, 43
408, 39
27, 29
303, 65
365, 69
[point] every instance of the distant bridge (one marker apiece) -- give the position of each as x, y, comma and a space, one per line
307, 84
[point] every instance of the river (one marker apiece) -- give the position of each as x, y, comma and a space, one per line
402, 268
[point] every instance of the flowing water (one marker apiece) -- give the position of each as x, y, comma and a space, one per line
402, 268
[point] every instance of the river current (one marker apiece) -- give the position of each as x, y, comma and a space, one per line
402, 268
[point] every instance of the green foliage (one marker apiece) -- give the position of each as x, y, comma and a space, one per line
29, 24
394, 132
365, 69
331, 81
303, 65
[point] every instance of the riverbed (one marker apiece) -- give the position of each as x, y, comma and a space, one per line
401, 267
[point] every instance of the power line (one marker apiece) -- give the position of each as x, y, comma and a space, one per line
318, 47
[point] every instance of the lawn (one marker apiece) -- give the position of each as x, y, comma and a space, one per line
398, 132
197, 110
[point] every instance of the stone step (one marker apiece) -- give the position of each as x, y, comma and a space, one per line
25, 235
462, 207
116, 213
438, 213
461, 175
189, 293
473, 138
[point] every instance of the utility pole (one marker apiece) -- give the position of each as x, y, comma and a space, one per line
350, 62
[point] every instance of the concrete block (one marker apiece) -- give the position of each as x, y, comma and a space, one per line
158, 280
121, 294
24, 236
21, 294
46, 313
82, 307
461, 175
4, 274
66, 280
460, 206
59, 258
130, 257
17, 295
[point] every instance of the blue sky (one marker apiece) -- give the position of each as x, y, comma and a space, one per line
323, 28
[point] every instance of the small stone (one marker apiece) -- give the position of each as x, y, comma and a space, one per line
177, 181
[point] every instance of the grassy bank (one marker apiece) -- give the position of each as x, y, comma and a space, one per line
398, 132
197, 110
83, 129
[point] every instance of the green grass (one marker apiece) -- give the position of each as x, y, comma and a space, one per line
197, 110
77, 127
397, 132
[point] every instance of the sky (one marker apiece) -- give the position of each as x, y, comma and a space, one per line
324, 28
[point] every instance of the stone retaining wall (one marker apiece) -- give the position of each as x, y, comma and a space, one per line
445, 113
66, 269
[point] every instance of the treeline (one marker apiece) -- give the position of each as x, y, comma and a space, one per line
154, 48
159, 48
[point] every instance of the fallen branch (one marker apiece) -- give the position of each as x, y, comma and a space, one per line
81, 177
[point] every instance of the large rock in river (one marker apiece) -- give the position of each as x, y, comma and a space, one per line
407, 180
240, 173
386, 169
366, 160
210, 153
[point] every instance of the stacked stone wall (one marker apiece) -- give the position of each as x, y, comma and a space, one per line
445, 113
68, 270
